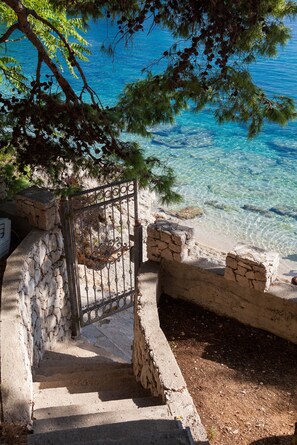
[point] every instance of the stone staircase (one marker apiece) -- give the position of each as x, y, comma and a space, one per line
82, 395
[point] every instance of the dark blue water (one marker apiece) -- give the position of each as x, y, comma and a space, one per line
247, 189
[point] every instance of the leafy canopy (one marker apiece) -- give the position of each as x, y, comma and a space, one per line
52, 126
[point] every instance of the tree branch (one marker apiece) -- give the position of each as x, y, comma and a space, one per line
72, 57
25, 27
10, 30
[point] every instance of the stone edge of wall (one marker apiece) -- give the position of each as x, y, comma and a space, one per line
35, 313
274, 311
16, 381
154, 364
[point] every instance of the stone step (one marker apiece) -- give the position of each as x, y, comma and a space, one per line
143, 432
98, 407
62, 396
48, 371
96, 372
81, 381
93, 342
52, 359
111, 417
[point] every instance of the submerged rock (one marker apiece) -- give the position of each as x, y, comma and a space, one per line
285, 211
189, 213
252, 208
218, 205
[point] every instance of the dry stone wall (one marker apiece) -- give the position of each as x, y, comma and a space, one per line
39, 206
252, 267
43, 297
246, 289
154, 364
168, 240
35, 310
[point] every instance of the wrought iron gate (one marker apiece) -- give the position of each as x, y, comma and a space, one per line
103, 247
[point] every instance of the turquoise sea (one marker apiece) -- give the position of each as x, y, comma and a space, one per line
247, 189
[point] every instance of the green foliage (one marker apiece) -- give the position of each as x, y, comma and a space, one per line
51, 126
14, 180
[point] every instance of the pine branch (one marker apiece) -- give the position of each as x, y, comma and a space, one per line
7, 34
24, 25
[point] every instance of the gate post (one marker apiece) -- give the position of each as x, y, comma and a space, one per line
67, 230
138, 254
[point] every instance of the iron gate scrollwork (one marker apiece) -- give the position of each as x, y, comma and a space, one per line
103, 246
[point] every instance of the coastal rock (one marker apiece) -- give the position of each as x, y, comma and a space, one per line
284, 211
252, 208
218, 205
189, 213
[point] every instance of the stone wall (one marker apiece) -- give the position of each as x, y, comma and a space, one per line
35, 313
39, 206
245, 289
154, 364
43, 300
252, 267
169, 241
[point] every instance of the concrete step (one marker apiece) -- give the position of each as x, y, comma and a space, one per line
52, 359
142, 432
89, 379
111, 417
99, 385
98, 407
75, 396
48, 372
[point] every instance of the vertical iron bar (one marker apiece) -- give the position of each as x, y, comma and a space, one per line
138, 235
67, 222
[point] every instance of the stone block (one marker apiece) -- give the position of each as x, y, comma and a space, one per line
153, 251
166, 236
167, 254
151, 242
250, 275
182, 256
229, 274
178, 237
245, 265
175, 248
254, 260
242, 281
162, 245
51, 323
260, 276
38, 206
152, 231
259, 285
241, 271
231, 262
153, 257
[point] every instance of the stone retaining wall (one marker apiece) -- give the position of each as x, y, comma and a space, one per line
245, 289
154, 364
35, 313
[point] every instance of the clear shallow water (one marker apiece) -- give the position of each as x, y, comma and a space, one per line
247, 189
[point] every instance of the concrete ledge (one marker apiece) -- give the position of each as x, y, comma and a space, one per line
154, 364
274, 311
